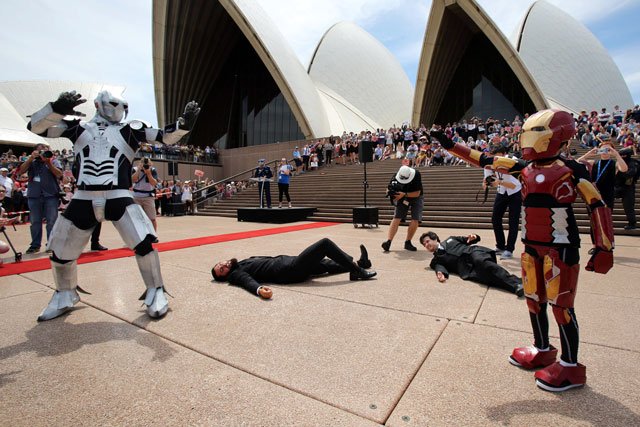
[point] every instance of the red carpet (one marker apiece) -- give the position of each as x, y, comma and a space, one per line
9, 269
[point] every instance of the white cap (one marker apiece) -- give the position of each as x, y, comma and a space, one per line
405, 175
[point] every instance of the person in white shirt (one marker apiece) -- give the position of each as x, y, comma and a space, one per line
509, 196
7, 183
187, 197
603, 117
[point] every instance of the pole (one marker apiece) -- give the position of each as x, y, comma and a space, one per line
365, 184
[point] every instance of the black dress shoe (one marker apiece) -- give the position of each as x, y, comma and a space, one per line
362, 274
408, 246
519, 291
98, 247
33, 250
364, 262
386, 245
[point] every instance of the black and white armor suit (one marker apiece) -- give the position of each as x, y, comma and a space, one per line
104, 150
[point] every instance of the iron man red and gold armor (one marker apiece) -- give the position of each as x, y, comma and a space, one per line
550, 186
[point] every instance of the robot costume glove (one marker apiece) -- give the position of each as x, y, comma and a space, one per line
66, 103
601, 261
188, 119
446, 143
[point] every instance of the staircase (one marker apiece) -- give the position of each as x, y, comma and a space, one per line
449, 200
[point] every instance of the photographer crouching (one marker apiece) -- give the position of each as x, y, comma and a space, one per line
405, 191
145, 178
43, 189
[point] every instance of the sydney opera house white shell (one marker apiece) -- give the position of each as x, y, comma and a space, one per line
572, 68
22, 98
361, 79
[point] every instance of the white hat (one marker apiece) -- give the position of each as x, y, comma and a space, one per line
4, 170
405, 175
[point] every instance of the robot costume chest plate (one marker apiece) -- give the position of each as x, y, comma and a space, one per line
100, 150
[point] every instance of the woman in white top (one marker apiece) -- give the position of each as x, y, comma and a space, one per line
187, 197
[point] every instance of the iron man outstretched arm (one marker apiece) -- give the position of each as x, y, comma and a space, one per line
478, 158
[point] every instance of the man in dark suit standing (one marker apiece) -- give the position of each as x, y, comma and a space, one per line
263, 174
323, 257
461, 256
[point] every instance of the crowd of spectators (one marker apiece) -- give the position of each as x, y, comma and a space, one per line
185, 153
414, 143
168, 192
620, 127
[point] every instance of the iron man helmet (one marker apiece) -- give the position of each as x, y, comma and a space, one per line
111, 108
544, 133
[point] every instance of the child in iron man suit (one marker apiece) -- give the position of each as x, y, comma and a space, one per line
104, 150
550, 185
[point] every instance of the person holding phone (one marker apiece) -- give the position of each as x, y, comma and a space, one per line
604, 163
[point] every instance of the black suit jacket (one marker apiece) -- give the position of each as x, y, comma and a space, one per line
279, 269
459, 257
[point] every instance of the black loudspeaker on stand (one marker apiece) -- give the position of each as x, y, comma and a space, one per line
365, 215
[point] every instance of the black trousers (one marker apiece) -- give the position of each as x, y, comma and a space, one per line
628, 195
328, 155
322, 257
264, 191
491, 274
283, 189
514, 204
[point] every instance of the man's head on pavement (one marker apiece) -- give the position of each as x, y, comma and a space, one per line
430, 241
221, 270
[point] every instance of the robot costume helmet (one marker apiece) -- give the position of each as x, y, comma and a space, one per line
111, 108
544, 133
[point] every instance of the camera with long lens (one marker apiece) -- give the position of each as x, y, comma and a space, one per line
393, 189
488, 181
47, 154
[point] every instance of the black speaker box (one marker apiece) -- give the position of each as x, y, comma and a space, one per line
365, 216
173, 168
365, 151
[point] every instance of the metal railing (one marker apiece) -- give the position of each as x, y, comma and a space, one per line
201, 195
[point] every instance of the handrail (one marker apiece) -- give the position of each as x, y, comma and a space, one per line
199, 200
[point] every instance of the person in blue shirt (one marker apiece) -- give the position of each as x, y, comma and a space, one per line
42, 192
284, 176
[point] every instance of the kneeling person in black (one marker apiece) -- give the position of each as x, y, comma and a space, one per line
323, 257
460, 255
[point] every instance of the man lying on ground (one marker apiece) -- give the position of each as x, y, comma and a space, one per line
323, 257
460, 255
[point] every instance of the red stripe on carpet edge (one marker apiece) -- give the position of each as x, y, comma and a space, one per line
89, 257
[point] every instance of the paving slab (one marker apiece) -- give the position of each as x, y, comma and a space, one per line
89, 368
348, 351
467, 380
607, 320
353, 356
11, 286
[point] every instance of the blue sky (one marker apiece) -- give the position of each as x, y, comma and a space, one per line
110, 42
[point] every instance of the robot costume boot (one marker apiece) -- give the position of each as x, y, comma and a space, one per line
66, 295
154, 297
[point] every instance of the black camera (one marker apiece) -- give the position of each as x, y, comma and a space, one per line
145, 162
47, 154
489, 180
393, 189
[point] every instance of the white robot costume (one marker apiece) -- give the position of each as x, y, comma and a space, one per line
104, 150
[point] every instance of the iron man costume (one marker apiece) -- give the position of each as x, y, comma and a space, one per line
550, 185
104, 150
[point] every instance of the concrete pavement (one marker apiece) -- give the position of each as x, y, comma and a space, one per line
401, 350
